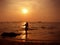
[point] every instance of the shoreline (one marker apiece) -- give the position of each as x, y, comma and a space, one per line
28, 42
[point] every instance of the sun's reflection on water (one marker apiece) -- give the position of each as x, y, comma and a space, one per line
24, 31
23, 25
23, 35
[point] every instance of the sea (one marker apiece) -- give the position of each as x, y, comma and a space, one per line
37, 30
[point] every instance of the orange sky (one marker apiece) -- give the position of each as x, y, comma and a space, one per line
39, 10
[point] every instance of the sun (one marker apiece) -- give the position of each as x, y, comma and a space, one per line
24, 10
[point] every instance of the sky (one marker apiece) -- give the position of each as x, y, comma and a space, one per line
38, 10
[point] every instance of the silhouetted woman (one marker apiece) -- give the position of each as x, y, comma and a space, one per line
26, 28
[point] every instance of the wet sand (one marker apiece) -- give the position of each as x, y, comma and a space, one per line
28, 42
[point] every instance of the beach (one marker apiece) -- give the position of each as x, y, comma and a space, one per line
22, 42
38, 33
